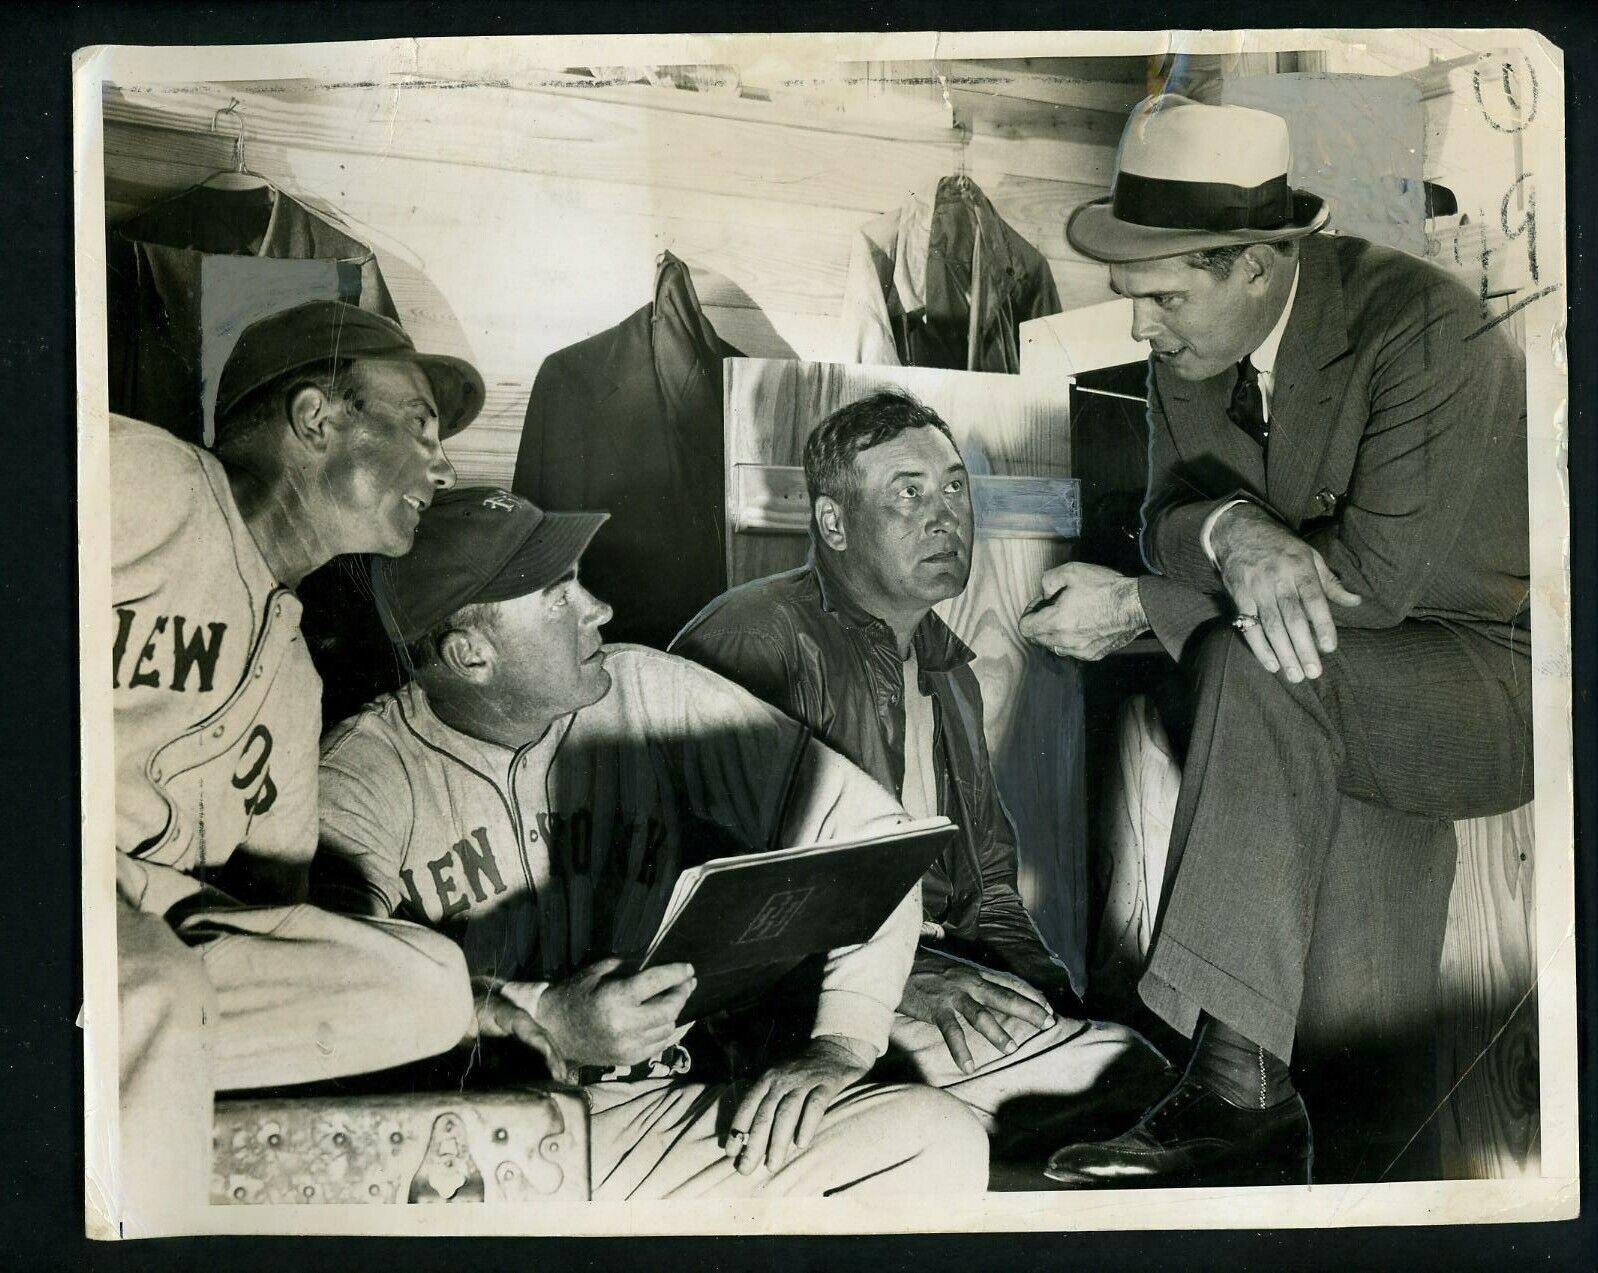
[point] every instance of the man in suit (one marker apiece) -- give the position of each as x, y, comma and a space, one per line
1336, 522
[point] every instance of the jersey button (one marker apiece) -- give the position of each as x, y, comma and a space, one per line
532, 837
219, 731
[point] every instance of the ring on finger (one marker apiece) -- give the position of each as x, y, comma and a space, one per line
1246, 622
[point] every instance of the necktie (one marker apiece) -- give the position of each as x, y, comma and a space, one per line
1247, 408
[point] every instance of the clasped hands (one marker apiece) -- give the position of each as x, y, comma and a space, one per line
599, 1016
1272, 576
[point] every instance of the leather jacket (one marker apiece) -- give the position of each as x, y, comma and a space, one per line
801, 643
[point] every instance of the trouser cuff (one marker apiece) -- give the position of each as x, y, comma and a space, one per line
1180, 984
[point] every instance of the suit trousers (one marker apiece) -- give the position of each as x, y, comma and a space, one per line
1427, 722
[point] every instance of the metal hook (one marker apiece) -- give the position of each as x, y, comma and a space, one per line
232, 108
963, 132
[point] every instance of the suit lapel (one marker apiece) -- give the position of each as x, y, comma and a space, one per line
1302, 406
1205, 435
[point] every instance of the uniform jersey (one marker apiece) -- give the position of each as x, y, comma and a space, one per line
216, 704
546, 857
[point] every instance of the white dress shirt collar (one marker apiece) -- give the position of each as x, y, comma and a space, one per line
1264, 358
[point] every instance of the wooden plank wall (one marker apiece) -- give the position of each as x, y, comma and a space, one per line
513, 221
1488, 1054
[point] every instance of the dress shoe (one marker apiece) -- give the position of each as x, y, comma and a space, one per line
1193, 1137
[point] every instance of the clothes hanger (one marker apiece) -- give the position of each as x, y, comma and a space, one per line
239, 177
962, 175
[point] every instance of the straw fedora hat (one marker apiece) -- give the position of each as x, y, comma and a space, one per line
1190, 177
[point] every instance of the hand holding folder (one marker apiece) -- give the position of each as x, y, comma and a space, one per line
743, 922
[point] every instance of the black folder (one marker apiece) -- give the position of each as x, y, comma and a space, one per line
744, 922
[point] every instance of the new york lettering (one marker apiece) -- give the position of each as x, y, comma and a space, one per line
477, 864
252, 759
193, 649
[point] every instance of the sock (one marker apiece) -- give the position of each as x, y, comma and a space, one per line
1238, 1070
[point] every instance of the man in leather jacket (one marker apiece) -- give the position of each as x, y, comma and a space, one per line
849, 645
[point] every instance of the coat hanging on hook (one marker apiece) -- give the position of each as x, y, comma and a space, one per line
944, 281
630, 421
187, 274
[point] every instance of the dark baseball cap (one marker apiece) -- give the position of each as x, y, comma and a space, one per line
475, 544
319, 334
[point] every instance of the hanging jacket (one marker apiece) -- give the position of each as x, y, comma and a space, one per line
185, 277
630, 422
944, 281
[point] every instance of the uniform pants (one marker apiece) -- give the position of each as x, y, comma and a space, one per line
657, 1138
1418, 720
1074, 1077
257, 997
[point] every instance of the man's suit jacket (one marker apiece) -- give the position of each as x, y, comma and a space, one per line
1397, 450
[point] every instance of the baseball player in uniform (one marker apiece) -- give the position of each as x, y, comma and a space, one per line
536, 794
225, 979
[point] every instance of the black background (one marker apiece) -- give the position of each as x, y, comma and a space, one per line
41, 1067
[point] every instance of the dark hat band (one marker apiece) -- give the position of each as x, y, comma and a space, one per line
1201, 205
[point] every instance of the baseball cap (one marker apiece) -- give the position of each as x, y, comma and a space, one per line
475, 544
324, 332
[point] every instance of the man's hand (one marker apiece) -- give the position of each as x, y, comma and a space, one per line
779, 1116
1275, 577
598, 1018
985, 1000
500, 1017
1084, 611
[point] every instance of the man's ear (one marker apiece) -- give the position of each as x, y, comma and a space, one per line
468, 654
310, 413
829, 521
1259, 260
